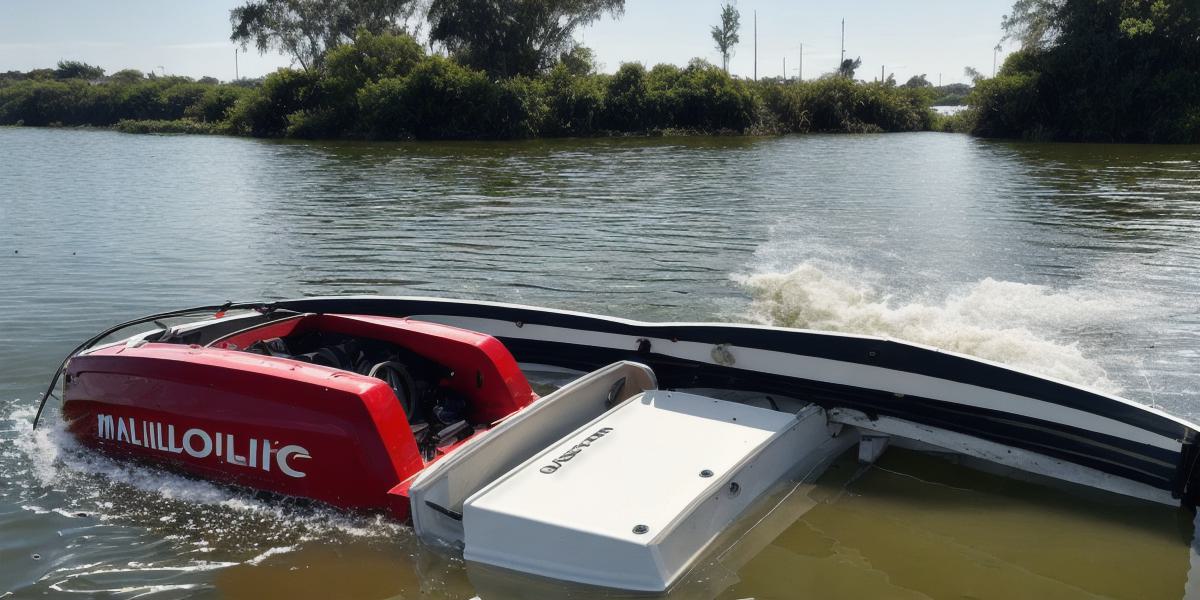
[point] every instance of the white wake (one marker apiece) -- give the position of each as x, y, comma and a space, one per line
1022, 325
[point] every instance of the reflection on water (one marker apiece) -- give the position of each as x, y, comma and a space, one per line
915, 527
1077, 261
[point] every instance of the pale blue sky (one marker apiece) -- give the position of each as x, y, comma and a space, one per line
192, 37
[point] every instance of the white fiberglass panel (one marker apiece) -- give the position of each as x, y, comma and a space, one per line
629, 499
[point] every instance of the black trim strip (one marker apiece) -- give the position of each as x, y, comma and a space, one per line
453, 514
1119, 456
867, 351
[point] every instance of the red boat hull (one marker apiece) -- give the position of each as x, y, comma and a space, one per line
277, 424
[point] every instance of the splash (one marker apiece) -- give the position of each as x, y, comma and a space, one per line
1011, 323
173, 504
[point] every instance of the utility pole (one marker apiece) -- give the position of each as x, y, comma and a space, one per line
800, 77
843, 43
785, 69
880, 73
995, 52
939, 80
756, 45
236, 75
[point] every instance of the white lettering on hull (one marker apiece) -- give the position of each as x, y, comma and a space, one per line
200, 444
104, 426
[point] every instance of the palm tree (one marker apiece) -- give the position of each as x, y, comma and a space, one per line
848, 67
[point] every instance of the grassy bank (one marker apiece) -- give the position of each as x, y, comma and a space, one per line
161, 126
387, 87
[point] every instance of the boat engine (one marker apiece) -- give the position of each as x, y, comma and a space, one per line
436, 413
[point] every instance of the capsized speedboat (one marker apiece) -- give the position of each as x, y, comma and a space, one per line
664, 434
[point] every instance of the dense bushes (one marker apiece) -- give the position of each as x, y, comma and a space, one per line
837, 104
574, 103
80, 102
1034, 97
266, 111
438, 99
1113, 71
1008, 105
156, 126
386, 87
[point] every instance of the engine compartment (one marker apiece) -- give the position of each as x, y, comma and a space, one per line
449, 382
437, 414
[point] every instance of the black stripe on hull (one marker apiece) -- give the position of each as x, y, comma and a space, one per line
1117, 456
1139, 462
866, 351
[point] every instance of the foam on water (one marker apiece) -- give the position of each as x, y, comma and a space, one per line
129, 530
112, 489
1023, 325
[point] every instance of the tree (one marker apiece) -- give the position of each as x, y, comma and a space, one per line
973, 74
369, 58
1088, 70
848, 67
726, 34
73, 69
127, 76
917, 81
306, 29
513, 37
579, 60
1032, 22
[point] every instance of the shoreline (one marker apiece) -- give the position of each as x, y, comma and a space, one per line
186, 127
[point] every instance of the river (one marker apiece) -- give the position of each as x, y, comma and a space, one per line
1080, 262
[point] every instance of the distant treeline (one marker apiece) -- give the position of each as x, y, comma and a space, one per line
385, 86
1094, 70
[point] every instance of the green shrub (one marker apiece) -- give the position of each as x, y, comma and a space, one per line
626, 102
175, 100
315, 123
703, 97
383, 114
440, 99
127, 76
384, 86
1005, 106
785, 104
164, 126
215, 104
370, 58
520, 109
574, 103
44, 102
73, 69
142, 101
962, 121
1115, 71
264, 112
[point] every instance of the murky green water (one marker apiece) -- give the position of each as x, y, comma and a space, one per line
1079, 262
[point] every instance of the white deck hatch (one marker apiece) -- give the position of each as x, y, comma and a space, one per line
630, 499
